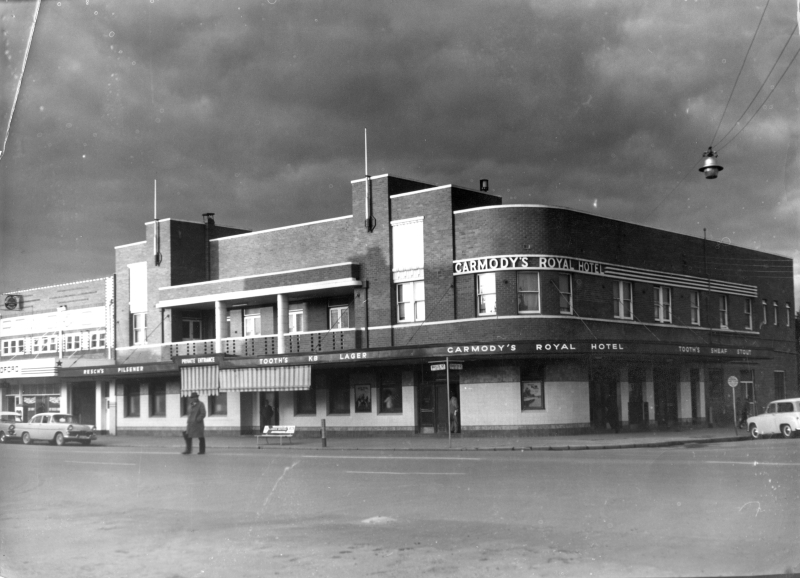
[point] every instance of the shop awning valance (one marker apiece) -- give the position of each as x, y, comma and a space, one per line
204, 379
286, 378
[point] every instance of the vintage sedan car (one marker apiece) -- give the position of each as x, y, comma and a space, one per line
57, 428
9, 426
782, 416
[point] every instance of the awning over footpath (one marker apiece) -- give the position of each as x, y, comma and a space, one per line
204, 379
285, 378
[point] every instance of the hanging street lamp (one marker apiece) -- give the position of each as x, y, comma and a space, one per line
710, 167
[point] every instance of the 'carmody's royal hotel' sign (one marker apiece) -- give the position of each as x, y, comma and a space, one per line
532, 262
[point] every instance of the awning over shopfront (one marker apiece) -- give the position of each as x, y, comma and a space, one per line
286, 378
204, 379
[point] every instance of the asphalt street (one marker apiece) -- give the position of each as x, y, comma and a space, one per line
713, 510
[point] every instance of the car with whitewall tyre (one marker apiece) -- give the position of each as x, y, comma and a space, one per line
56, 428
10, 423
782, 416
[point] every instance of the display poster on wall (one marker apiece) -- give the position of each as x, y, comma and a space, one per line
532, 395
363, 398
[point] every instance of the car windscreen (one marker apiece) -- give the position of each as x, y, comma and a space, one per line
10, 418
62, 418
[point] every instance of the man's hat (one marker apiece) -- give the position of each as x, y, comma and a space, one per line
194, 394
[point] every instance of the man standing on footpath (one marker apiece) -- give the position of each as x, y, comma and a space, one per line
195, 426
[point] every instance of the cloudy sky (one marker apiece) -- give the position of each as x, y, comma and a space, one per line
255, 110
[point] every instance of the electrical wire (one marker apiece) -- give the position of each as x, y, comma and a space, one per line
740, 72
19, 84
791, 35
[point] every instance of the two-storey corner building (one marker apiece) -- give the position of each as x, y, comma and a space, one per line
56, 344
556, 320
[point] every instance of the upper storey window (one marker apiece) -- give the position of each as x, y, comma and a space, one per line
694, 307
565, 293
528, 292
748, 313
623, 300
662, 300
411, 301
723, 311
408, 250
252, 322
338, 317
487, 294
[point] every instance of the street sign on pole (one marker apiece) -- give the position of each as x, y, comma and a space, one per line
443, 366
733, 382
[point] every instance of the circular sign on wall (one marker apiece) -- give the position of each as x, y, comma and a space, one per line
11, 302
732, 381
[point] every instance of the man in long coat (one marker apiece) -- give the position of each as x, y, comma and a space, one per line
195, 426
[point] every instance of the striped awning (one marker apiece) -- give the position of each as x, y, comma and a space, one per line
287, 378
204, 379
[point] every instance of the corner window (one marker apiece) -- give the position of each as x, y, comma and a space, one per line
139, 327
623, 300
411, 301
694, 307
295, 320
158, 400
775, 313
528, 292
305, 402
565, 293
748, 313
532, 387
131, 400
487, 294
723, 311
252, 322
339, 317
218, 404
390, 394
662, 300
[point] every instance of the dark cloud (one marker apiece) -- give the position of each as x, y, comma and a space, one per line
256, 111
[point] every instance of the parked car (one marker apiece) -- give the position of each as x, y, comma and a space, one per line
9, 426
57, 428
781, 416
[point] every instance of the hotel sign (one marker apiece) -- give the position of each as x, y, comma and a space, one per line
523, 262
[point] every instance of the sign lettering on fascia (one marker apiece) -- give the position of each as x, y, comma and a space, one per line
534, 262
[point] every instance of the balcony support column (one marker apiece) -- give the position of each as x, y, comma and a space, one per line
283, 321
221, 325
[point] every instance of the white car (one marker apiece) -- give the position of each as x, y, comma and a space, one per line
9, 426
57, 428
781, 416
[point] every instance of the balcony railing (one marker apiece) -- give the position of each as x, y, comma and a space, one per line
306, 342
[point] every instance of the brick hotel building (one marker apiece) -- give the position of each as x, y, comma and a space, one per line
560, 321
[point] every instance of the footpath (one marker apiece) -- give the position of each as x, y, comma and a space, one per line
441, 442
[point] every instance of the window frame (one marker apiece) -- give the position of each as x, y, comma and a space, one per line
294, 314
251, 323
562, 293
661, 303
139, 328
694, 308
342, 321
132, 400
620, 300
537, 292
723, 312
301, 407
531, 379
390, 387
764, 306
788, 315
218, 404
775, 313
44, 344
157, 392
13, 346
337, 392
97, 339
191, 322
414, 303
480, 294
72, 342
748, 312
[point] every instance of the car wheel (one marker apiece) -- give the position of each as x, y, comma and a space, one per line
59, 439
26, 438
2, 437
786, 430
754, 433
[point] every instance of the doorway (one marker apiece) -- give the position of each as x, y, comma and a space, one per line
603, 398
434, 401
666, 382
637, 407
84, 403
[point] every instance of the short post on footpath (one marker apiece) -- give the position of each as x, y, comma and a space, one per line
324, 439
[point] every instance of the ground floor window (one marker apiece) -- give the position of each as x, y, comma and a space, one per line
131, 400
158, 400
532, 387
748, 387
339, 398
218, 404
363, 399
305, 402
391, 394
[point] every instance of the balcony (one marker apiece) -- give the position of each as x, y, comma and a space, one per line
306, 342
